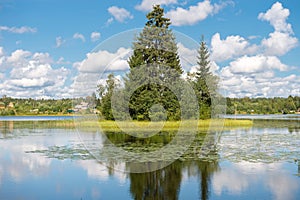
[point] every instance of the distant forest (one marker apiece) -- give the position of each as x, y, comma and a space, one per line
246, 105
274, 105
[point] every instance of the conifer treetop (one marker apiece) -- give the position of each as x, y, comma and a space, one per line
156, 19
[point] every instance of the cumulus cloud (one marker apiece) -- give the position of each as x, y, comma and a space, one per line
254, 69
278, 43
277, 16
84, 84
119, 14
32, 74
146, 5
95, 67
231, 47
79, 36
281, 40
100, 61
255, 76
256, 64
95, 36
18, 58
194, 14
20, 30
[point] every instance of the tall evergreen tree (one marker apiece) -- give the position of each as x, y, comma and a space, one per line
155, 54
205, 83
156, 43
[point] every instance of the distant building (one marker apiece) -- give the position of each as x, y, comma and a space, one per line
34, 110
81, 106
11, 105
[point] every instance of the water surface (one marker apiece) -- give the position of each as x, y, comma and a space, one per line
41, 161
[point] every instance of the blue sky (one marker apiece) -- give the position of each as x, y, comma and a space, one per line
46, 45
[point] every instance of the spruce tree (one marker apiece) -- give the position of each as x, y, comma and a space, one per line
155, 54
205, 83
156, 43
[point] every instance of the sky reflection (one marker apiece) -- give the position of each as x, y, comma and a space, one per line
237, 178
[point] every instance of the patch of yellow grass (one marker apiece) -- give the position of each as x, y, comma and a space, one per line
146, 126
201, 125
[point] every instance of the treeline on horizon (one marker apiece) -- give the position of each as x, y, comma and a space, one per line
245, 105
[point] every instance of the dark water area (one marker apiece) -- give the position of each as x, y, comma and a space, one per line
43, 162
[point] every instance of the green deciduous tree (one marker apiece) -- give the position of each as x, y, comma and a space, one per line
105, 93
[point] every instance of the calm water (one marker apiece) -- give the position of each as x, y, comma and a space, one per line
39, 161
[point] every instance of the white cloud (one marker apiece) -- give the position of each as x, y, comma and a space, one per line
109, 21
281, 40
119, 14
256, 64
79, 36
33, 76
2, 76
2, 57
254, 70
97, 62
278, 43
84, 84
1, 51
229, 48
95, 67
187, 56
59, 41
20, 30
146, 5
194, 14
277, 16
260, 85
95, 36
255, 76
18, 58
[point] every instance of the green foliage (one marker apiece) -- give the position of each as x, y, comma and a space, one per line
276, 105
35, 106
154, 50
105, 94
204, 82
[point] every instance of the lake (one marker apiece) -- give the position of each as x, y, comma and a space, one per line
42, 160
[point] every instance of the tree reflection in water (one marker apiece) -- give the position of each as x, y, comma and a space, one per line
166, 182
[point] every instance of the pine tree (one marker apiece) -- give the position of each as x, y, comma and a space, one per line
155, 54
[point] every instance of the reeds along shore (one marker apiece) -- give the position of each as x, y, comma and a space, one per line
201, 125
